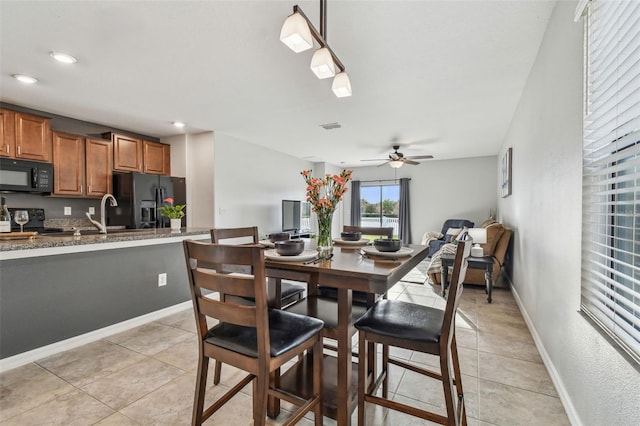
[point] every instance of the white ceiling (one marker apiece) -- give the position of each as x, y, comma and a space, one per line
445, 76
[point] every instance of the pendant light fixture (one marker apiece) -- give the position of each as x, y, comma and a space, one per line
296, 33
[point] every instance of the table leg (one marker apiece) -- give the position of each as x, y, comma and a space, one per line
488, 276
344, 356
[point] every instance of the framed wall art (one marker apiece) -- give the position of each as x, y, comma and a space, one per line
506, 174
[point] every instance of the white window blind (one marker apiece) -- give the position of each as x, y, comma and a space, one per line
611, 171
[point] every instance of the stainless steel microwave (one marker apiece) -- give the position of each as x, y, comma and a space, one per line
25, 176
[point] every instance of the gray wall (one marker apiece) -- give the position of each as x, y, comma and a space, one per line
596, 383
440, 190
47, 299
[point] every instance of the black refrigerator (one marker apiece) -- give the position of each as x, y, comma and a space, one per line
139, 197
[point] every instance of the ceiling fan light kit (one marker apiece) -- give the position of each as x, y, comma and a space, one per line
296, 33
397, 159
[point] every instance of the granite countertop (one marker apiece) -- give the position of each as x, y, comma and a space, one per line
53, 241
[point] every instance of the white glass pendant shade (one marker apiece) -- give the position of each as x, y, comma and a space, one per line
295, 33
396, 164
341, 85
322, 64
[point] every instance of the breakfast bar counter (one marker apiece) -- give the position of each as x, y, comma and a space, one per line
56, 289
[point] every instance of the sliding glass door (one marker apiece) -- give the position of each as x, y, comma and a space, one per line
380, 206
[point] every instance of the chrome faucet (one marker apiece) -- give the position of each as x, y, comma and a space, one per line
102, 225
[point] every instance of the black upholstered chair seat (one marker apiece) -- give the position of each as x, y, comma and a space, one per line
403, 320
286, 331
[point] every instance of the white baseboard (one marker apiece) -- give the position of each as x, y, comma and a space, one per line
572, 414
64, 345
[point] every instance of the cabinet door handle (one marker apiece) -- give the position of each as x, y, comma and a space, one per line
81, 187
19, 150
8, 149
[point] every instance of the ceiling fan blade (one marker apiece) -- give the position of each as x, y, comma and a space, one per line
420, 157
383, 164
379, 159
407, 161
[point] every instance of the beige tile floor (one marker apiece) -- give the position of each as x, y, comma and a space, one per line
146, 376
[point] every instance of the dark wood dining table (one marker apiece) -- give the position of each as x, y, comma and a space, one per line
349, 270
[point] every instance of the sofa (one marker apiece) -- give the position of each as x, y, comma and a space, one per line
450, 230
498, 239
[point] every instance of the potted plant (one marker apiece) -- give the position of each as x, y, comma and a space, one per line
175, 213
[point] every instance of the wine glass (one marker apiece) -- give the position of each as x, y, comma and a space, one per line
21, 217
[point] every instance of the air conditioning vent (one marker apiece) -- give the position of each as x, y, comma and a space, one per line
331, 126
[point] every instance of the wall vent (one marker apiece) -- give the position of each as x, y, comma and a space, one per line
331, 126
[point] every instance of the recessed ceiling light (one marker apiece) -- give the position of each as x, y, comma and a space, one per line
25, 78
179, 124
63, 57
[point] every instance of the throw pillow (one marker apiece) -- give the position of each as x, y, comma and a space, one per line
451, 234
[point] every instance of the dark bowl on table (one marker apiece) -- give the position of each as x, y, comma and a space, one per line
351, 236
278, 236
290, 247
387, 244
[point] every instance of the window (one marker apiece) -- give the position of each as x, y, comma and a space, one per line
380, 206
611, 172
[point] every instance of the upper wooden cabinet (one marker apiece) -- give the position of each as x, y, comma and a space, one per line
68, 164
33, 137
25, 136
81, 167
99, 166
127, 152
157, 158
7, 133
136, 155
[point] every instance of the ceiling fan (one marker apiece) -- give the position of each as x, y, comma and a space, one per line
397, 159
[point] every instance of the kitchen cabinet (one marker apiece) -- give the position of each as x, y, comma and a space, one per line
68, 164
157, 158
99, 167
7, 133
33, 137
82, 167
25, 136
127, 152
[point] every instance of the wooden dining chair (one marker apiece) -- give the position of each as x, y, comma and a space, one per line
386, 232
417, 328
252, 338
289, 292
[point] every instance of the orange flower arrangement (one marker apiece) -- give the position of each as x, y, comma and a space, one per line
324, 196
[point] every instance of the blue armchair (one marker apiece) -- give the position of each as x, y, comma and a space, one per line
434, 245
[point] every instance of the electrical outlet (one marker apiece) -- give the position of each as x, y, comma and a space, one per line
92, 210
162, 279
67, 211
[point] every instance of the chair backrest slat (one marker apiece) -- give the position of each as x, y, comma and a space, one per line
228, 312
236, 285
367, 230
219, 234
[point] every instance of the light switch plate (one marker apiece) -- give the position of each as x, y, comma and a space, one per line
67, 211
92, 210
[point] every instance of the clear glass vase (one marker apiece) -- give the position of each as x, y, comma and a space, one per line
325, 242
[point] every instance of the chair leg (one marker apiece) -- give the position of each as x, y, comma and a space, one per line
317, 381
362, 377
385, 371
260, 392
448, 388
458, 378
217, 372
201, 385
